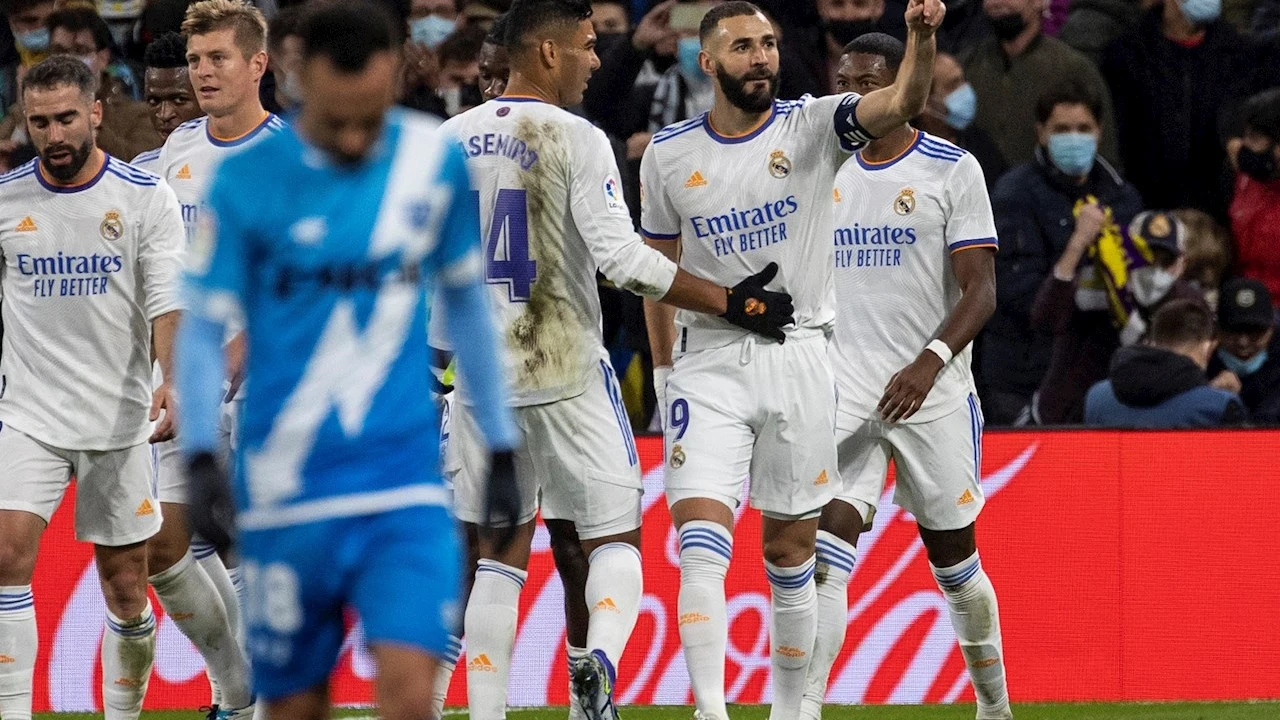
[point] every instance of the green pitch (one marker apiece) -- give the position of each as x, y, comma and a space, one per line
1089, 711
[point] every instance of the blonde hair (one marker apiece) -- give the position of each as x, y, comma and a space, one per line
1208, 248
246, 20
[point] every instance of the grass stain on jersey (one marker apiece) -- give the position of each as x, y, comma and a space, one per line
548, 337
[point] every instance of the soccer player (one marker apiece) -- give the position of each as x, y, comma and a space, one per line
340, 498
89, 265
915, 243
495, 66
226, 59
167, 90
745, 185
552, 212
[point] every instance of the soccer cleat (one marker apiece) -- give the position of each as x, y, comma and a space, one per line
244, 713
593, 677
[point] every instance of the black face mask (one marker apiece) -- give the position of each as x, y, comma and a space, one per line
1260, 166
844, 31
1008, 27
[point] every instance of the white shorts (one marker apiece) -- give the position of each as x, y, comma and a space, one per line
577, 461
754, 408
938, 465
171, 476
116, 502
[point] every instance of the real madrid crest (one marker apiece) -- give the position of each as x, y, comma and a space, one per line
779, 164
677, 456
111, 228
905, 202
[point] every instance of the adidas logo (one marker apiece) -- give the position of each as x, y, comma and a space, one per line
822, 478
791, 652
606, 604
965, 499
27, 225
4, 659
835, 194
481, 664
184, 173
692, 618
695, 180
146, 508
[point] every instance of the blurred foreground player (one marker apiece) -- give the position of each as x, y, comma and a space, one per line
89, 276
339, 495
914, 267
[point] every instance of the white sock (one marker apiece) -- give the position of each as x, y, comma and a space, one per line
227, 581
128, 647
490, 624
574, 653
705, 550
191, 600
18, 641
976, 619
792, 625
615, 585
444, 676
835, 565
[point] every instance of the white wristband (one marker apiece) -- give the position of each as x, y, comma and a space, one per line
939, 348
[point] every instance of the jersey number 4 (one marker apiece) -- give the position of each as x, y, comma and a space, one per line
507, 260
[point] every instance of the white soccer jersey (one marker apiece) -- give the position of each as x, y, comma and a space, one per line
149, 160
84, 271
897, 224
551, 214
739, 203
191, 155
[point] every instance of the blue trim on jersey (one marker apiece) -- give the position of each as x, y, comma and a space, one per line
19, 172
943, 147
726, 140
938, 155
520, 99
976, 419
266, 122
679, 128
976, 242
131, 174
619, 412
868, 165
659, 236
64, 189
147, 156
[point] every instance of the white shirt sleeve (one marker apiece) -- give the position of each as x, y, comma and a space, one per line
160, 252
601, 215
970, 222
658, 217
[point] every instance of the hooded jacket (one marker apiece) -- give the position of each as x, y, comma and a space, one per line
1150, 387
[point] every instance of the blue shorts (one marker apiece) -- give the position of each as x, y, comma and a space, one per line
398, 571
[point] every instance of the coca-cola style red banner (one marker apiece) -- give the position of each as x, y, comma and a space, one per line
1130, 566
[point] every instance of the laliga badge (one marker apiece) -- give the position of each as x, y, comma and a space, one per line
779, 164
905, 202
677, 456
111, 228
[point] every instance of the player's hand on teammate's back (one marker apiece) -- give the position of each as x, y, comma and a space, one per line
764, 312
502, 501
909, 387
925, 16
212, 511
164, 399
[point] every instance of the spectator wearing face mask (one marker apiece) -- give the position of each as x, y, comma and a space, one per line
1172, 79
949, 113
1161, 384
1247, 361
1010, 69
28, 22
1255, 209
285, 51
1035, 209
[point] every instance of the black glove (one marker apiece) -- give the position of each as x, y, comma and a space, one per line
761, 311
502, 501
211, 512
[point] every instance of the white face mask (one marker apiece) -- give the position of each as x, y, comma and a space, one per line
1150, 284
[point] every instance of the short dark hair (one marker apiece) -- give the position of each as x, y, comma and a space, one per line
348, 33
527, 17
1068, 92
724, 11
166, 51
497, 31
82, 17
886, 46
286, 22
58, 70
13, 7
1182, 321
1261, 113
462, 45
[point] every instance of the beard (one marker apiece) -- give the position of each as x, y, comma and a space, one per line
66, 173
735, 89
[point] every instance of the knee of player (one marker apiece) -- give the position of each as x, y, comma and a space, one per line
125, 591
946, 548
787, 551
17, 559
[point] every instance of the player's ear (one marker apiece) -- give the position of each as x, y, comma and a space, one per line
258, 63
95, 114
549, 53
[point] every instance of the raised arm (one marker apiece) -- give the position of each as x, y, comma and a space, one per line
888, 108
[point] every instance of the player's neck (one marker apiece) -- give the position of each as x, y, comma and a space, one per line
893, 144
730, 120
239, 122
523, 86
87, 172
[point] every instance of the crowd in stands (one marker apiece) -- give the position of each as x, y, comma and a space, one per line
1131, 149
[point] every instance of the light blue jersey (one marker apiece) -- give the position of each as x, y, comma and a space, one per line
331, 267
